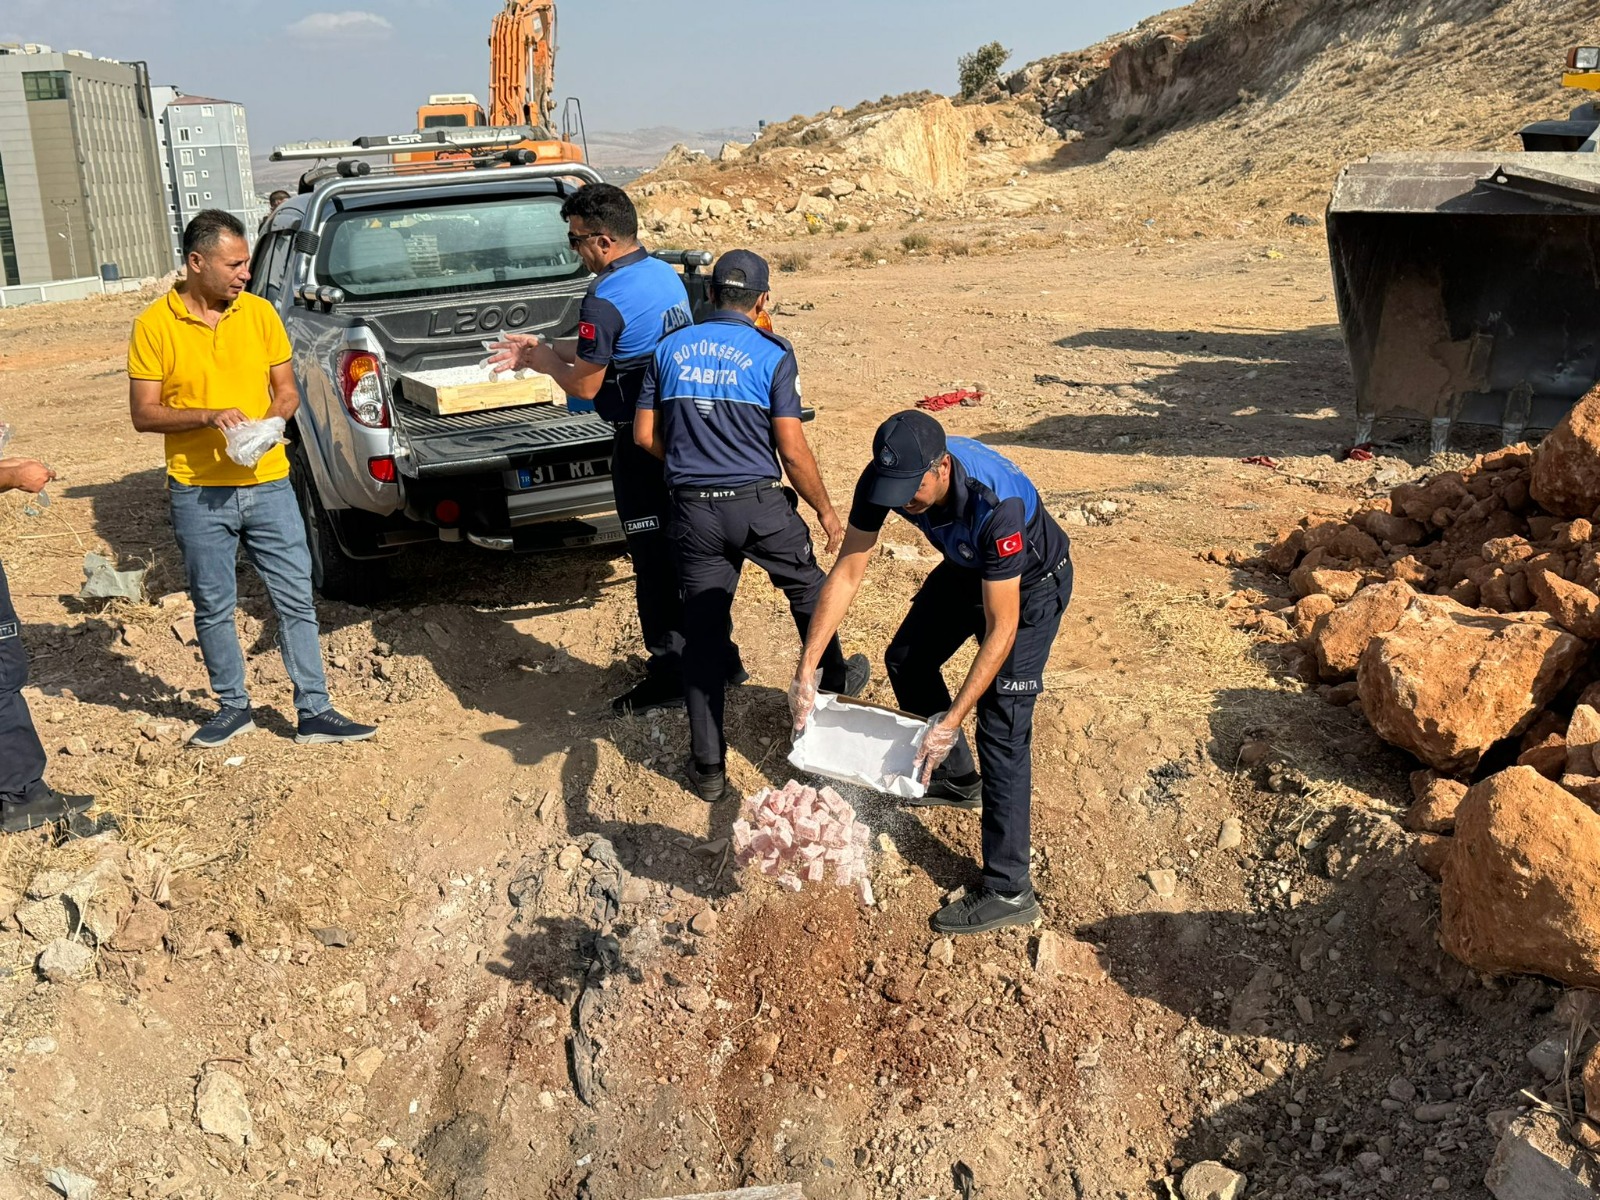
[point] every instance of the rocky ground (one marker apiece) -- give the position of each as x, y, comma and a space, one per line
501, 951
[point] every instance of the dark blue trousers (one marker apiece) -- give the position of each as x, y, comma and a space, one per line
644, 506
714, 539
21, 755
948, 610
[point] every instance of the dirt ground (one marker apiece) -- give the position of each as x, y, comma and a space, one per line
506, 1019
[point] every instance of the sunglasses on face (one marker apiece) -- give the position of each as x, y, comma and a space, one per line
577, 239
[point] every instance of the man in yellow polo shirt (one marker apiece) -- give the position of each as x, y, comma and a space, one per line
206, 357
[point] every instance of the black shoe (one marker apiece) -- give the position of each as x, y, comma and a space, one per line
43, 806
944, 792
710, 783
228, 724
331, 726
982, 910
649, 694
857, 674
736, 672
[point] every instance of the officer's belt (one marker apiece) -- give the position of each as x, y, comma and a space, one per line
738, 493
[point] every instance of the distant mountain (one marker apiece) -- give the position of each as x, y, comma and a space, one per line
619, 156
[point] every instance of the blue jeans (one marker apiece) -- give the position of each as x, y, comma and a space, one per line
211, 523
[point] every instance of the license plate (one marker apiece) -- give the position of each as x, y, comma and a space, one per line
595, 539
552, 474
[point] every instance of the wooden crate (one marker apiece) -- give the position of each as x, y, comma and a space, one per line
446, 399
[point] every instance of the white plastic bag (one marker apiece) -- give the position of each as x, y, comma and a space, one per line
249, 441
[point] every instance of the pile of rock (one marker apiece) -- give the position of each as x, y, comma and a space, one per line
1458, 614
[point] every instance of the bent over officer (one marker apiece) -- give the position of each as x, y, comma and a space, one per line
1005, 580
26, 801
634, 301
721, 405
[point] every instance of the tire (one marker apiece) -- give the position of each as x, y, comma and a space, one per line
334, 575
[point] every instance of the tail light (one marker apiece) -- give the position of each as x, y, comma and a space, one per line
382, 469
361, 384
447, 512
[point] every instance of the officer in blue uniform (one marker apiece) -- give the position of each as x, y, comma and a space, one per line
721, 405
26, 801
1005, 580
634, 301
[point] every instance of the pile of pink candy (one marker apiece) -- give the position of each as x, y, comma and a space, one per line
795, 833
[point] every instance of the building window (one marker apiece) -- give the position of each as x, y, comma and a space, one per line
205, 110
183, 133
205, 174
208, 195
8, 246
188, 179
186, 157
191, 200
202, 151
44, 85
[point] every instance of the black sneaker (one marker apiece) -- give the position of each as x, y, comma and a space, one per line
736, 672
649, 694
981, 910
857, 674
944, 792
331, 726
228, 724
43, 806
710, 783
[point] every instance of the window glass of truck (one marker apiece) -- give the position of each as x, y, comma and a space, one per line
451, 246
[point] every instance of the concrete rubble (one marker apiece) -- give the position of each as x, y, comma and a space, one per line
1536, 1160
795, 834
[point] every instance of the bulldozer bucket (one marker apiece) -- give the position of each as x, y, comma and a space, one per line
1468, 287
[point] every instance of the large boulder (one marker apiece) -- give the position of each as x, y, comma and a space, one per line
1574, 606
1521, 884
1448, 681
1340, 637
1566, 466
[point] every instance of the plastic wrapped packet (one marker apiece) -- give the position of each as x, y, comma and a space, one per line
247, 442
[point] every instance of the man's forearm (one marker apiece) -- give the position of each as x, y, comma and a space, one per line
172, 420
801, 467
992, 654
838, 593
548, 360
285, 403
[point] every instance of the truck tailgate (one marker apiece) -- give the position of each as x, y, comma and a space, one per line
496, 440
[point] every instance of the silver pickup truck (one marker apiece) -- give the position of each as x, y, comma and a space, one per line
381, 275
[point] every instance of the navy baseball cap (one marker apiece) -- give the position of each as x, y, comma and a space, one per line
903, 450
741, 269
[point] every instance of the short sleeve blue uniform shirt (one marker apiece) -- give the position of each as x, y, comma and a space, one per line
631, 305
718, 387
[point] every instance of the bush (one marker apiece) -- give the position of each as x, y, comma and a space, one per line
914, 241
840, 226
872, 252
793, 261
981, 68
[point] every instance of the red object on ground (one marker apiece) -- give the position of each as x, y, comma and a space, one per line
1361, 453
1261, 460
950, 400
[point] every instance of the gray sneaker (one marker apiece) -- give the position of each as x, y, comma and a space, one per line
222, 728
331, 726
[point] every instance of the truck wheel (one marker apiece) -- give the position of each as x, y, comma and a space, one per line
334, 575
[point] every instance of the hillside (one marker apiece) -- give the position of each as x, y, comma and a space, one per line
1195, 120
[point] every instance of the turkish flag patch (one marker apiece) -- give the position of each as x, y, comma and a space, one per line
1007, 546
586, 330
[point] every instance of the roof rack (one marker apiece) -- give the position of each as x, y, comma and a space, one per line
480, 138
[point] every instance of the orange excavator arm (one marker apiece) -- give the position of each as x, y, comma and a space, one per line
522, 63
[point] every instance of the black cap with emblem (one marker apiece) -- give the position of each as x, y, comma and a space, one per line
905, 447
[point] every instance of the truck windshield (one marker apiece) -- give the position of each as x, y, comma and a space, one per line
452, 246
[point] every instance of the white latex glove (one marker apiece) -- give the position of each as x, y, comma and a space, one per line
938, 740
803, 698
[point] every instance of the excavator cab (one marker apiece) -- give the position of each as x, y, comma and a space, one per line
1468, 283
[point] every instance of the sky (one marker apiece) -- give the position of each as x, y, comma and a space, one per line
309, 70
